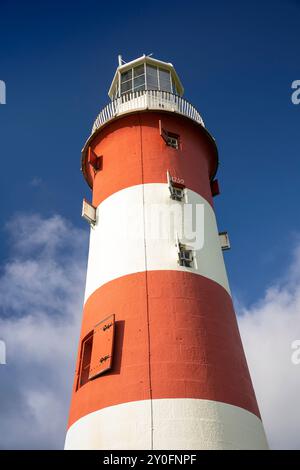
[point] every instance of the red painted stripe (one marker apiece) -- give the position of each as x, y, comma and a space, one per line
134, 153
195, 346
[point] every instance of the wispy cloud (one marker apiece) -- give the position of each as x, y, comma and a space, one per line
268, 329
41, 294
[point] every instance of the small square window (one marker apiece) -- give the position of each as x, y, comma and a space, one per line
173, 141
176, 193
176, 187
185, 256
170, 138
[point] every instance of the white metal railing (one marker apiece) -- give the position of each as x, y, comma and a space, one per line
146, 99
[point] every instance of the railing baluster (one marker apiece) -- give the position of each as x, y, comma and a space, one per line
146, 99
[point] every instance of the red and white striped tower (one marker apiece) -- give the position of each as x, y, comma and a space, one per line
160, 362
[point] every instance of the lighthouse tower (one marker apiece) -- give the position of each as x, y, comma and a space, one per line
160, 361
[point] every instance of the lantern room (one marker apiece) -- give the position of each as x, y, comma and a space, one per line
145, 73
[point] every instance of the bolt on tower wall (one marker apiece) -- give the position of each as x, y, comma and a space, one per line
160, 362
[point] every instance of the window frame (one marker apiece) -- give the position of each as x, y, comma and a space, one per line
177, 194
87, 339
170, 137
183, 261
132, 89
174, 187
172, 140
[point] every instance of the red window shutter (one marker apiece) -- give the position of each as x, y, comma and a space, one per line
86, 353
164, 135
215, 190
178, 185
103, 338
176, 181
162, 132
94, 160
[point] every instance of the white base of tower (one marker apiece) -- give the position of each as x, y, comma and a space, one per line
182, 423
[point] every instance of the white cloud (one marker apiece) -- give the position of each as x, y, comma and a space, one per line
268, 329
41, 295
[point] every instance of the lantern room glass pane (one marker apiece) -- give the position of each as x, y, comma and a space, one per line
164, 80
126, 76
126, 81
174, 88
156, 78
116, 90
152, 78
139, 70
140, 88
139, 83
139, 78
126, 86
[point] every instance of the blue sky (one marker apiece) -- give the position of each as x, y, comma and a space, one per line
237, 61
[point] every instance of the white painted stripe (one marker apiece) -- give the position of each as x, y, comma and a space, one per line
182, 423
127, 221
